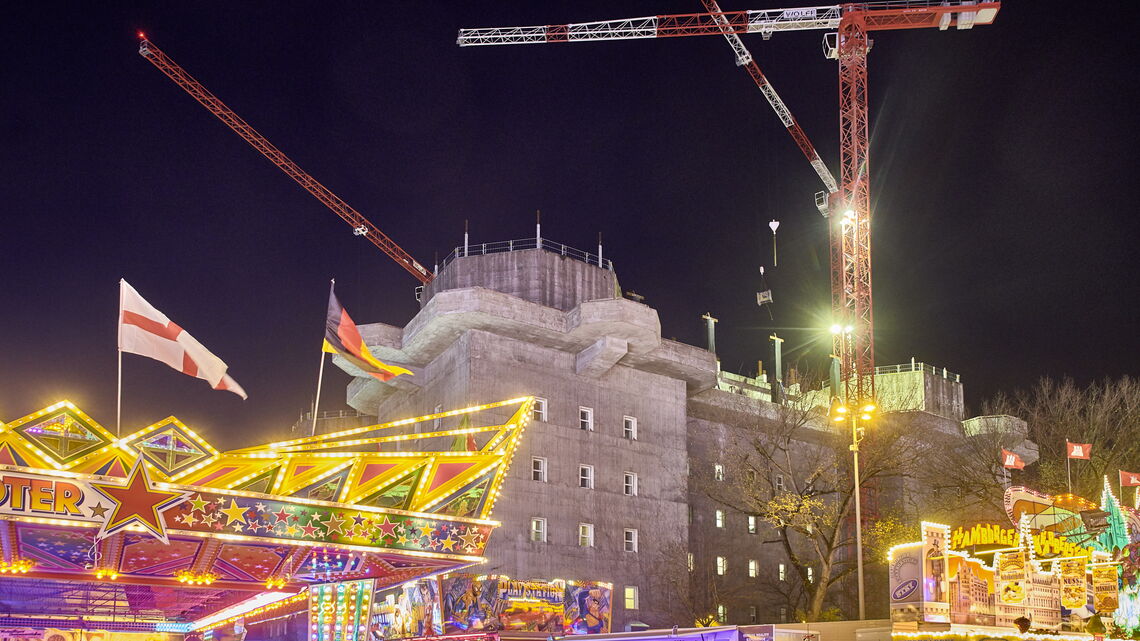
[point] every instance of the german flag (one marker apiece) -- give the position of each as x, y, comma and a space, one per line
342, 337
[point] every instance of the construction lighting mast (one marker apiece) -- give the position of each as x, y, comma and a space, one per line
849, 207
360, 225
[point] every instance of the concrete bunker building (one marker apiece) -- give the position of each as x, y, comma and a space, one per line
602, 486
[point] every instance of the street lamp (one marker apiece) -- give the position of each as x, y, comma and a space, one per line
861, 412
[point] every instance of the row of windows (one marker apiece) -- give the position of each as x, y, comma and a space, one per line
586, 419
538, 472
777, 480
753, 568
720, 519
585, 534
722, 614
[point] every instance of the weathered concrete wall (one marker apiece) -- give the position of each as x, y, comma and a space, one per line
534, 323
535, 275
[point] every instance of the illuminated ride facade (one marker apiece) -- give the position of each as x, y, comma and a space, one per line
1060, 561
158, 532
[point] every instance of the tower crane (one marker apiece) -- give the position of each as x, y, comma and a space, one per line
361, 226
848, 207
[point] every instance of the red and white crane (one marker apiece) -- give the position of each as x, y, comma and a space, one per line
849, 206
361, 226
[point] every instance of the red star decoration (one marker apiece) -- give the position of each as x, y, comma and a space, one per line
309, 529
281, 516
138, 502
387, 528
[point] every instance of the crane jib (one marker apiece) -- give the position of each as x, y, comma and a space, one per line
354, 218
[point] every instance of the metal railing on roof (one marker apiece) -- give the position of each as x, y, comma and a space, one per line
503, 246
914, 366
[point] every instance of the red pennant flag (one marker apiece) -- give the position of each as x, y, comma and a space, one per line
1129, 479
1011, 461
1079, 450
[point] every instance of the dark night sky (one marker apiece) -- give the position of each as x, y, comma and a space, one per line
1003, 162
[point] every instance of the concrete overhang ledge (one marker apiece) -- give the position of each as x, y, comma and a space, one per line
616, 328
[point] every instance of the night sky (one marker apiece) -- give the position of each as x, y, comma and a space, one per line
1003, 161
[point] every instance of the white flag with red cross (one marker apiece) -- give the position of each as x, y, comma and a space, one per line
145, 331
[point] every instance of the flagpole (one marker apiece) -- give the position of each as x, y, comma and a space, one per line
321, 372
317, 399
1068, 466
119, 346
119, 400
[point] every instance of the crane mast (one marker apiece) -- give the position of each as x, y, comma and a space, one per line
849, 207
361, 226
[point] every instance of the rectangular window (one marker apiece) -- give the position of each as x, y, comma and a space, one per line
721, 565
810, 574
718, 472
720, 518
586, 535
538, 469
783, 572
783, 614
630, 540
752, 614
690, 559
437, 423
779, 483
721, 613
753, 568
629, 485
538, 529
586, 418
629, 428
586, 476
631, 601
752, 524
538, 411
690, 514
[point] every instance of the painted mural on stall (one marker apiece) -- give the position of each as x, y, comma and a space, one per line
462, 603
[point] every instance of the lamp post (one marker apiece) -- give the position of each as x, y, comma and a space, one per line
862, 411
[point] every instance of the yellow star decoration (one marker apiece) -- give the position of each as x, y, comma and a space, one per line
425, 530
449, 543
198, 503
335, 523
402, 540
291, 530
234, 513
189, 519
471, 538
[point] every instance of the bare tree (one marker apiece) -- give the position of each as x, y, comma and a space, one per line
963, 479
795, 473
1103, 413
694, 590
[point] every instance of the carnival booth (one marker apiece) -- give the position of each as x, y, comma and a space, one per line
157, 535
1062, 567
460, 605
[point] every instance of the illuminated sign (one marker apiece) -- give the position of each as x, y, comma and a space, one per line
24, 494
1046, 544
